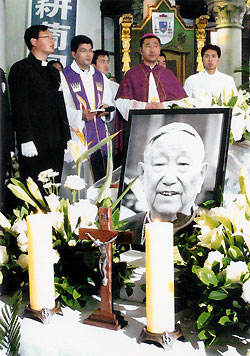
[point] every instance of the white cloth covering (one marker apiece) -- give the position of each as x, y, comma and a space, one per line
67, 336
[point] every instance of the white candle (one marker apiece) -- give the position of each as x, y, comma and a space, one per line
159, 277
41, 269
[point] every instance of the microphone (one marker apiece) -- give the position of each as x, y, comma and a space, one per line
109, 109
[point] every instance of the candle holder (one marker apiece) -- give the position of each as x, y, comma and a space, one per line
44, 315
164, 340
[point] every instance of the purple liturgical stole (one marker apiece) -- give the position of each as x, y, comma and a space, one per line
94, 130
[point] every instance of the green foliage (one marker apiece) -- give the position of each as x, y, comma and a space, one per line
10, 325
205, 291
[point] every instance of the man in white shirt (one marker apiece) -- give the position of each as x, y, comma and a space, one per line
203, 85
85, 89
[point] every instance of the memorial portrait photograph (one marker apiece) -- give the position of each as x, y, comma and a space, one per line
179, 157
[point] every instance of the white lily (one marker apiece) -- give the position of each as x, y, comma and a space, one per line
4, 222
21, 194
53, 202
34, 190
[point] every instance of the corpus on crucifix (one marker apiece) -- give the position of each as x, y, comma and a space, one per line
103, 238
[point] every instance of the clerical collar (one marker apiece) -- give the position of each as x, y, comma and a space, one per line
149, 68
86, 70
37, 61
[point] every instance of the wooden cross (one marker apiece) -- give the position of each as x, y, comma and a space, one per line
105, 316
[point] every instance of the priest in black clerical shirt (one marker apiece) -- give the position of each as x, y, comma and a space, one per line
38, 108
6, 138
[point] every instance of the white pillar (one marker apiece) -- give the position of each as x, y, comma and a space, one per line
2, 35
228, 16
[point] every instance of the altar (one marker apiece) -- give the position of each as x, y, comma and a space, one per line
67, 336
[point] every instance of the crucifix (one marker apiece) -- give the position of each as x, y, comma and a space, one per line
103, 238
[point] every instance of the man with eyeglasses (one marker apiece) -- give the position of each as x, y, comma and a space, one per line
85, 91
38, 108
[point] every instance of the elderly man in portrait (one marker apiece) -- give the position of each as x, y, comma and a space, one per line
172, 175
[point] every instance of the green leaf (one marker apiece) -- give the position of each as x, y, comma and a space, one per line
206, 275
76, 295
218, 295
236, 304
10, 325
69, 289
246, 135
225, 320
203, 318
232, 101
203, 335
235, 252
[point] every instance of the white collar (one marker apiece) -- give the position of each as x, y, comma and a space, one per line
78, 70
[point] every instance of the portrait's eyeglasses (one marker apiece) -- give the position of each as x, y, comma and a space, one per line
47, 36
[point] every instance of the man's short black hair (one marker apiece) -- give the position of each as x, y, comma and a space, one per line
211, 46
33, 32
97, 53
149, 36
78, 40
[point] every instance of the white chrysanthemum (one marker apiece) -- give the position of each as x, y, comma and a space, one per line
72, 243
20, 226
23, 261
213, 256
48, 173
75, 182
3, 255
235, 270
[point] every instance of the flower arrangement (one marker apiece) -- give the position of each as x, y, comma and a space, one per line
213, 272
240, 124
76, 261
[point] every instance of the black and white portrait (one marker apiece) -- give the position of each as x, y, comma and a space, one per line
179, 157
